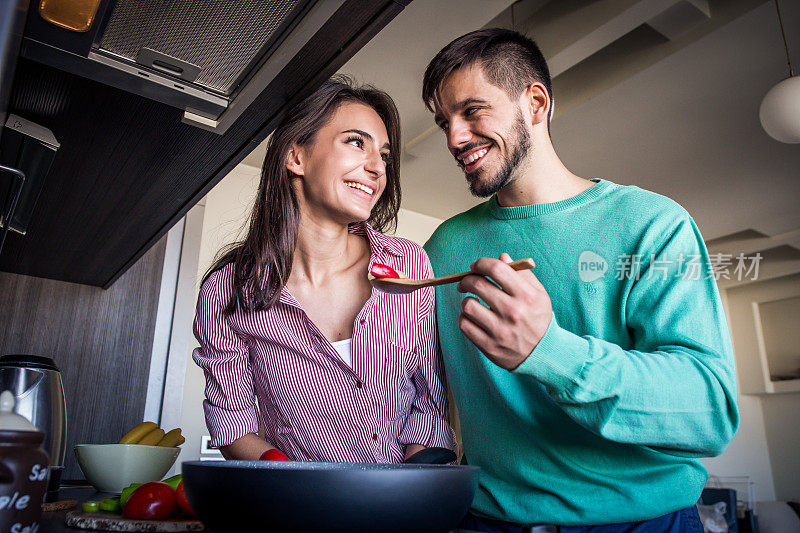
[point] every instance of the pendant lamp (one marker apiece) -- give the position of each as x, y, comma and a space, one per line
780, 108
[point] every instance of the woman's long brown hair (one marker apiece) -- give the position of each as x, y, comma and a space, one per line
263, 260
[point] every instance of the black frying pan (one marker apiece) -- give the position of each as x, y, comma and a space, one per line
236, 496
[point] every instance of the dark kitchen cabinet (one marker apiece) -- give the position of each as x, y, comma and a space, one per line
12, 23
129, 167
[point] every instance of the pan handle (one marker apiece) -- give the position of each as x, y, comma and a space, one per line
432, 456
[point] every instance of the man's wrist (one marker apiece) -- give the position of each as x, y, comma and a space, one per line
557, 358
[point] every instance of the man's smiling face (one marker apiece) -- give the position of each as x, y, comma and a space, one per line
486, 130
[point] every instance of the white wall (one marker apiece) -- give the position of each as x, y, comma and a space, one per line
781, 413
415, 226
766, 447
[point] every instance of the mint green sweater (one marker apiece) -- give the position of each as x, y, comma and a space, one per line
633, 380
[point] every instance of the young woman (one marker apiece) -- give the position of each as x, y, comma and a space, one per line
293, 339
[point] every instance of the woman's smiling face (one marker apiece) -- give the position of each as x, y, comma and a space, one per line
342, 173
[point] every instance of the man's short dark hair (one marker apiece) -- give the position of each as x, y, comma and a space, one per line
510, 61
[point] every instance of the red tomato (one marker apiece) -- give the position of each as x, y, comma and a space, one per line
151, 501
383, 271
183, 503
273, 454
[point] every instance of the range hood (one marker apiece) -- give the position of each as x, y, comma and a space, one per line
208, 58
153, 105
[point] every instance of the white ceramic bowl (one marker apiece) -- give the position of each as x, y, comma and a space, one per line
112, 467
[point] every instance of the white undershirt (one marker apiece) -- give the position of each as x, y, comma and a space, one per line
345, 349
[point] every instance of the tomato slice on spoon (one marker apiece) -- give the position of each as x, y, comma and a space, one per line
383, 271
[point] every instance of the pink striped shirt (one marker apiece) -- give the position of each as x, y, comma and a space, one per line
312, 405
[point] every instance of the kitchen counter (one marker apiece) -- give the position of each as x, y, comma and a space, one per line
53, 522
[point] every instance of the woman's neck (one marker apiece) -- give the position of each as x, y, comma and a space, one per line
324, 249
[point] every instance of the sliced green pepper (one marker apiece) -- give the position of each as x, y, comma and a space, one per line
127, 491
90, 506
111, 504
173, 481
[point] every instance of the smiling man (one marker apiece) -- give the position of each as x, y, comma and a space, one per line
589, 388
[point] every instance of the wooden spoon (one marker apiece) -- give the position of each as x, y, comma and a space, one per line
405, 285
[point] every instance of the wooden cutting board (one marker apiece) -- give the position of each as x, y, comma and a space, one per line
111, 522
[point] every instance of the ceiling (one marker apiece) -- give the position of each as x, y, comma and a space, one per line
655, 93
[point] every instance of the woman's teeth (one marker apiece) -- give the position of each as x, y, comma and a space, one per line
474, 156
360, 187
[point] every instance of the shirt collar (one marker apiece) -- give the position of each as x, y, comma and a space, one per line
286, 298
377, 241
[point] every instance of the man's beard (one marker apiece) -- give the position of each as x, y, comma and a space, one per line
487, 187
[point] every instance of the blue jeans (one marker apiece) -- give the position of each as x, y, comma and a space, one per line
683, 521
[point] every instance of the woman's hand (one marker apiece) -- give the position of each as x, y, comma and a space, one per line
250, 447
434, 455
411, 449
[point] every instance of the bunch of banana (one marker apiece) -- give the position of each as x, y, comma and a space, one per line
150, 434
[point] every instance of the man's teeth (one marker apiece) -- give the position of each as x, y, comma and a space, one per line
360, 187
474, 156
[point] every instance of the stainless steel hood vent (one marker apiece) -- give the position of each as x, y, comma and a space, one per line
209, 58
222, 39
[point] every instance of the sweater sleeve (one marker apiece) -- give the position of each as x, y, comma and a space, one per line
674, 387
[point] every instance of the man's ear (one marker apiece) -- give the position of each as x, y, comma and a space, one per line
295, 160
538, 102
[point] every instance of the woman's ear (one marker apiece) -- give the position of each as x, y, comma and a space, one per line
295, 160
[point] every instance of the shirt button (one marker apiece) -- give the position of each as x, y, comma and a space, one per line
374, 436
358, 384
362, 322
